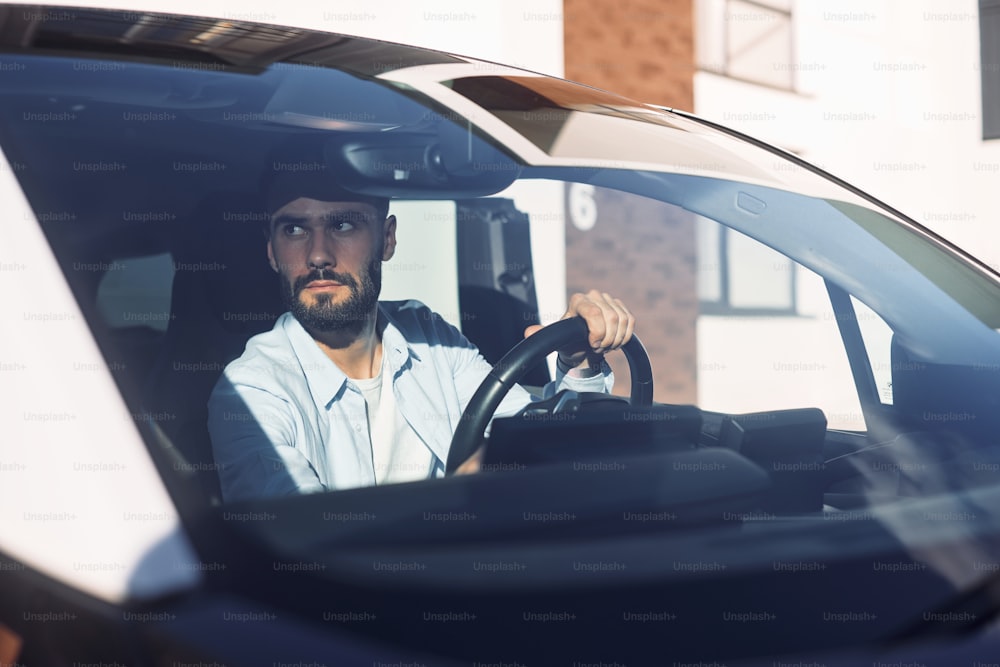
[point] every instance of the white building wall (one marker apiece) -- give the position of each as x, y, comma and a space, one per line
887, 98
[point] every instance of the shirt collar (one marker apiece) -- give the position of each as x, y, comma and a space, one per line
394, 343
325, 379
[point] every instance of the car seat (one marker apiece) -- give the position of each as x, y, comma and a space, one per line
224, 292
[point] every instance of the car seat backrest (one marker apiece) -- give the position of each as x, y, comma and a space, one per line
224, 292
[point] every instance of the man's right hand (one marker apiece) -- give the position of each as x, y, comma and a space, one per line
609, 325
472, 463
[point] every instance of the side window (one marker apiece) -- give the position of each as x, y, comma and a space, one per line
877, 337
771, 354
729, 324
424, 266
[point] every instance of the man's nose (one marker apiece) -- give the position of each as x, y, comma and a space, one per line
321, 253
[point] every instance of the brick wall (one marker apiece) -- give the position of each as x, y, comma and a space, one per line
643, 49
640, 251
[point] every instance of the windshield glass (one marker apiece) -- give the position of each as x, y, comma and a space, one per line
820, 366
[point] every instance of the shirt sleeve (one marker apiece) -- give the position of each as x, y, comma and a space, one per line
252, 433
603, 382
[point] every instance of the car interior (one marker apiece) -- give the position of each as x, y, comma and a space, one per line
168, 361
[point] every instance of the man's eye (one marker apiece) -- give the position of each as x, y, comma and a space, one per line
342, 225
294, 230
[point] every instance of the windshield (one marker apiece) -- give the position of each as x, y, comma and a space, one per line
824, 371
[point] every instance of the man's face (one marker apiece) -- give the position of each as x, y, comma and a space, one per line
329, 257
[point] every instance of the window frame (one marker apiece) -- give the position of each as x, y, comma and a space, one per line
722, 66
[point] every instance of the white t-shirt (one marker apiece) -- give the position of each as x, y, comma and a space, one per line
398, 453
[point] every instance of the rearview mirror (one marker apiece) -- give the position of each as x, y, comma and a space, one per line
444, 161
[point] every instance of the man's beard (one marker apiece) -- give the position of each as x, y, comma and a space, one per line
327, 316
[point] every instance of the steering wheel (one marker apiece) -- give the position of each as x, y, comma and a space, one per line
524, 356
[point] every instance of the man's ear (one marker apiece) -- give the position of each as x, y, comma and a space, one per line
389, 236
270, 257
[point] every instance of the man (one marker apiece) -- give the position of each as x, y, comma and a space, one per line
346, 391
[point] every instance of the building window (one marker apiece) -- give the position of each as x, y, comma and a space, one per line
740, 276
989, 51
752, 40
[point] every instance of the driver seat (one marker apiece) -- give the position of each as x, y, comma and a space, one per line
224, 292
